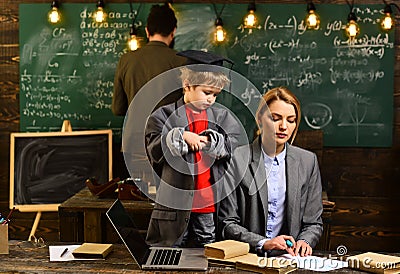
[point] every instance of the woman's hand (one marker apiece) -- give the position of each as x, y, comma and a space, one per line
194, 141
279, 243
302, 248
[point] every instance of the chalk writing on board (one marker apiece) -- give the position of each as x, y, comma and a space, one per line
77, 62
355, 113
188, 32
67, 70
249, 95
317, 115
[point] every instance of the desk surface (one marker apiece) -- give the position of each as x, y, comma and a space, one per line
85, 199
24, 258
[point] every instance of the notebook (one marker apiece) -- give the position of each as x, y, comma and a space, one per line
153, 258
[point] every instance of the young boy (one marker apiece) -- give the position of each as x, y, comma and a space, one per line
189, 144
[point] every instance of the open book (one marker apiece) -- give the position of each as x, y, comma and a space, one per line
235, 253
252, 262
375, 262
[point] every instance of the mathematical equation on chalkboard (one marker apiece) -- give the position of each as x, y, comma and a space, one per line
320, 67
263, 54
67, 70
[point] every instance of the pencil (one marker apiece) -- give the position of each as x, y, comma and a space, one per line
64, 252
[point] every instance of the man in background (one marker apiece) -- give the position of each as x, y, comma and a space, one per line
138, 67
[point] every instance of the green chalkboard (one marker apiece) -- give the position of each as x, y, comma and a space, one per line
67, 69
345, 89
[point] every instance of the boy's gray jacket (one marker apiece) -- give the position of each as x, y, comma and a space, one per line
175, 192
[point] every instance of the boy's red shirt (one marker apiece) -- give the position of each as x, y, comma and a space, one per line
203, 200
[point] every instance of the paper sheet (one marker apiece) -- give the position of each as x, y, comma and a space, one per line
56, 251
315, 263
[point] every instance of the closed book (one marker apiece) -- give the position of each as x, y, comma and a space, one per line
375, 263
226, 249
92, 251
227, 262
253, 263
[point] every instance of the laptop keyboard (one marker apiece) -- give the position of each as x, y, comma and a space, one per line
166, 257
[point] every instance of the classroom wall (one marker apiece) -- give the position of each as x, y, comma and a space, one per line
362, 181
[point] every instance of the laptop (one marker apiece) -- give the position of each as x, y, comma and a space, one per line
153, 258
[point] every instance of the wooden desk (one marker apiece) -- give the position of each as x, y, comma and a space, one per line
24, 258
82, 218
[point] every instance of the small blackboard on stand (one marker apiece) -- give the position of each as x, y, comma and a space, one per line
47, 168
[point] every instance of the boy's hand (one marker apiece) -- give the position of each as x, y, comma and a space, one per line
194, 141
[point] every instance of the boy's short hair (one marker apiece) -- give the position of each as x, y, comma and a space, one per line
161, 20
205, 78
204, 68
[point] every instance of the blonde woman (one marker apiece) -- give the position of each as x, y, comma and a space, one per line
276, 194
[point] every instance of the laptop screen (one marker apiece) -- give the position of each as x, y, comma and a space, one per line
128, 232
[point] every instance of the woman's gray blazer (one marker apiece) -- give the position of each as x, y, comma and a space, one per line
243, 213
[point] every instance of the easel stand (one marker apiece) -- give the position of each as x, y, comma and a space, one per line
35, 225
66, 127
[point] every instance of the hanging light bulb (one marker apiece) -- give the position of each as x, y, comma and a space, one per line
387, 22
250, 20
133, 42
219, 34
100, 15
352, 28
54, 14
312, 19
